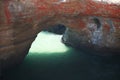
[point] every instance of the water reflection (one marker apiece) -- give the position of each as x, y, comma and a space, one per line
73, 65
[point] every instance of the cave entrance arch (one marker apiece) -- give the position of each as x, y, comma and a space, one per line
49, 40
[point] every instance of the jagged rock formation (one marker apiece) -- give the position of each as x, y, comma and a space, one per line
21, 20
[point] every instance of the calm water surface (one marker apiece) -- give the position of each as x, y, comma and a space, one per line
49, 59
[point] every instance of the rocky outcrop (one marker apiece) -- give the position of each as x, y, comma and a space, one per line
99, 34
100, 42
21, 20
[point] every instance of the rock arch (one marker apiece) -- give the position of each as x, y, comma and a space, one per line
21, 20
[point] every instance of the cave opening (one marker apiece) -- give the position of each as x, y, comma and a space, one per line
49, 41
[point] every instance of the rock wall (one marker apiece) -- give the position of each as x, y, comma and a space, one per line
21, 20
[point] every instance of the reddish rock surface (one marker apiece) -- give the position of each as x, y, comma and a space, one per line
21, 20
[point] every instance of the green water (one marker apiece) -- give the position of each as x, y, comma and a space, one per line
49, 59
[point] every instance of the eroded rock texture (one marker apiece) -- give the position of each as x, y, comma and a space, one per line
98, 34
89, 23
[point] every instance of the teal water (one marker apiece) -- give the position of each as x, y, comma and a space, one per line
49, 59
